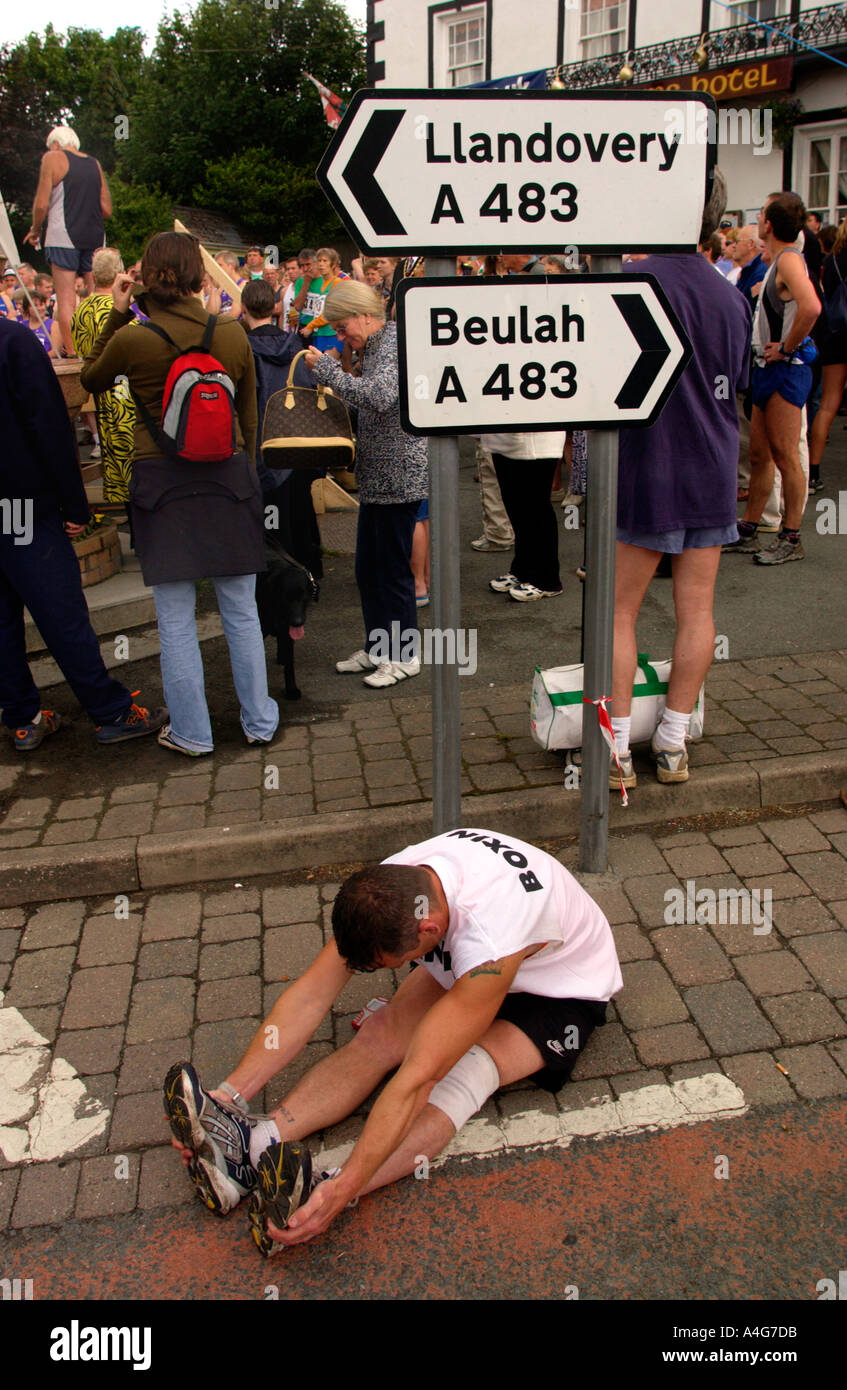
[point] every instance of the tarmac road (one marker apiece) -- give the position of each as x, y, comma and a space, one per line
640, 1218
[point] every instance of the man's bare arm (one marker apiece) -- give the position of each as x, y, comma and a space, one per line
291, 1022
105, 195
42, 195
797, 282
450, 1027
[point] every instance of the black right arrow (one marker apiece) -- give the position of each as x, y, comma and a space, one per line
358, 173
655, 350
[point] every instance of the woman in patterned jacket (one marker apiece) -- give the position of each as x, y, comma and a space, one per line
391, 472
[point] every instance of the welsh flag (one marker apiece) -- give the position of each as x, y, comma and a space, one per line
334, 107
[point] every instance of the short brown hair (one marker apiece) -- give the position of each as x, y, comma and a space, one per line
172, 267
257, 298
375, 912
786, 214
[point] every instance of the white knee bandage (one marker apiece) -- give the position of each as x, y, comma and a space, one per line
467, 1086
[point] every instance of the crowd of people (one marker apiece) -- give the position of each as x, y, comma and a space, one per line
757, 288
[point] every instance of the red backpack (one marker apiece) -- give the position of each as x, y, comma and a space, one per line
198, 405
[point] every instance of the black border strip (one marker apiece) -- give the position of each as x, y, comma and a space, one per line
462, 285
416, 95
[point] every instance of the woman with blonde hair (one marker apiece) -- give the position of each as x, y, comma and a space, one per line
391, 471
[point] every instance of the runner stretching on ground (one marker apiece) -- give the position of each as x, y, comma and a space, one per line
518, 964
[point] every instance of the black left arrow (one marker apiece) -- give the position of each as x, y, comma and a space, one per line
358, 173
655, 351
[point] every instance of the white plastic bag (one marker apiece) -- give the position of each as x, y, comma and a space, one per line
555, 713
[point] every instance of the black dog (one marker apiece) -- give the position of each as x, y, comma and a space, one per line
282, 595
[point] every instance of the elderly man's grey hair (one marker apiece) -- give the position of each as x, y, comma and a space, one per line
63, 136
715, 207
106, 266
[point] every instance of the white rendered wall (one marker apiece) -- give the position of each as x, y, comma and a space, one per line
656, 21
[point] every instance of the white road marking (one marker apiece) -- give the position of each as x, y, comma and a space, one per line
45, 1110
709, 1097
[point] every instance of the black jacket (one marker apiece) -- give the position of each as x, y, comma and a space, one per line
38, 458
273, 352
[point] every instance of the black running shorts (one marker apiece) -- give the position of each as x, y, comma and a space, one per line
560, 1028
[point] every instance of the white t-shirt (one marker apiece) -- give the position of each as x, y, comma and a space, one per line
505, 895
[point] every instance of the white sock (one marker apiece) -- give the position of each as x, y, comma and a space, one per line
620, 729
673, 730
264, 1133
36, 719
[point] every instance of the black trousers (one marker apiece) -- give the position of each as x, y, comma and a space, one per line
525, 485
44, 575
384, 574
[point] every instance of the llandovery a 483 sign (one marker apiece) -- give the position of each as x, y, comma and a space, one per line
447, 172
524, 353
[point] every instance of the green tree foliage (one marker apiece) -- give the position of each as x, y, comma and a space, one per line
277, 201
227, 80
219, 116
81, 79
137, 212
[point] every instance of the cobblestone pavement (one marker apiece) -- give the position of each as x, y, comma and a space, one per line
775, 715
97, 1005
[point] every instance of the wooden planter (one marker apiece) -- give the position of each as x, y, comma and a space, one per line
99, 555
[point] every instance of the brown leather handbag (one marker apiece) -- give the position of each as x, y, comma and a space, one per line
306, 427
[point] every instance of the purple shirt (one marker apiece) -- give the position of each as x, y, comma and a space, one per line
682, 471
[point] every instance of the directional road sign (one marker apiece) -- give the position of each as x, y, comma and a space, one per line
487, 171
526, 353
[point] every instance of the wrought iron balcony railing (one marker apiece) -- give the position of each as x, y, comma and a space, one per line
822, 28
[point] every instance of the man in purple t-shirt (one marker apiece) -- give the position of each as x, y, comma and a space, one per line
677, 495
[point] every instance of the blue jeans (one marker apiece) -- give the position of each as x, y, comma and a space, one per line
182, 664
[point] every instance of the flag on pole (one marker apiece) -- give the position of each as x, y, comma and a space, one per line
333, 106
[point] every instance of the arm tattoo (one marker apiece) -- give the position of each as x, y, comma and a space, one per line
489, 968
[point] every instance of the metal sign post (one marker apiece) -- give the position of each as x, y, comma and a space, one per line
446, 616
601, 502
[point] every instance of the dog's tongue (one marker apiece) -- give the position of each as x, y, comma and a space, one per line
295, 633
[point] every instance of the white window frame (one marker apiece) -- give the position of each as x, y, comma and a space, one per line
605, 36
740, 15
804, 137
445, 21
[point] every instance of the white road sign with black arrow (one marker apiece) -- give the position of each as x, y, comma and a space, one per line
417, 171
525, 353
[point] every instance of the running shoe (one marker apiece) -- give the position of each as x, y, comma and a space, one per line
781, 552
359, 661
573, 758
503, 583
220, 1167
528, 593
671, 763
745, 545
392, 672
284, 1183
136, 723
483, 543
29, 736
167, 740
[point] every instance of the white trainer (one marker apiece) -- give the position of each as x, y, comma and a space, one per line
392, 672
359, 661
